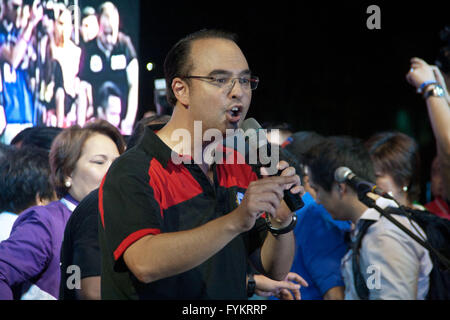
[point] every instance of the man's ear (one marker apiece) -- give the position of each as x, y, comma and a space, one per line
342, 189
181, 91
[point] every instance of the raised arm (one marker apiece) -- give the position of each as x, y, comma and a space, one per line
438, 112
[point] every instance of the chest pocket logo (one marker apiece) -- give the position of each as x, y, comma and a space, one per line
96, 64
118, 62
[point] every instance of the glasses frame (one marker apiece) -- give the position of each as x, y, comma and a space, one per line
254, 80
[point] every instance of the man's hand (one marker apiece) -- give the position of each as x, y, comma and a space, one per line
288, 289
283, 216
264, 195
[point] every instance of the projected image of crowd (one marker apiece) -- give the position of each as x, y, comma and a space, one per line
63, 65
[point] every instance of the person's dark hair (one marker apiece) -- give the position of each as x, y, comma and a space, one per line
41, 137
24, 174
397, 154
339, 151
298, 146
140, 126
178, 62
4, 148
68, 146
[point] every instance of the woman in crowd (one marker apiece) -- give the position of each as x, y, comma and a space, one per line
30, 257
396, 161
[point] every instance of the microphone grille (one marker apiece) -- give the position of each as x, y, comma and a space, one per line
250, 123
341, 174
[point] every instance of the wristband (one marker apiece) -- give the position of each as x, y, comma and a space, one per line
251, 285
424, 85
284, 230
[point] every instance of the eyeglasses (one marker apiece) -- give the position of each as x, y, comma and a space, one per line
228, 82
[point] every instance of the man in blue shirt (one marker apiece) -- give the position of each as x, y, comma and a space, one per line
320, 240
320, 247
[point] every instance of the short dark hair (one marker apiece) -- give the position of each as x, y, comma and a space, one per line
140, 126
68, 146
397, 154
298, 146
335, 152
24, 174
4, 148
178, 62
41, 137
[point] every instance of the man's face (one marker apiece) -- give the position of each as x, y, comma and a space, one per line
209, 103
329, 199
109, 30
13, 8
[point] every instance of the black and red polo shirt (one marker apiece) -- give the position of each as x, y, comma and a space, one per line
145, 192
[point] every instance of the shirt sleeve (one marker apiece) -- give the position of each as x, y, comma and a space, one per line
130, 52
127, 205
26, 253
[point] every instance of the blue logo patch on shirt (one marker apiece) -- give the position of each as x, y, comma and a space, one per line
239, 197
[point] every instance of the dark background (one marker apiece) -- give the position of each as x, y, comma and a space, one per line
320, 67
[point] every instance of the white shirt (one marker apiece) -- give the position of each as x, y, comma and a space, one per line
7, 220
393, 264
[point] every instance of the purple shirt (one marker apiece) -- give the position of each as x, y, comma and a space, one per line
30, 257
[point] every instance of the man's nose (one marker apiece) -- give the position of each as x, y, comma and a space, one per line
236, 89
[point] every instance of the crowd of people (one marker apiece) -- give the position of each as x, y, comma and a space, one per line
86, 214
57, 75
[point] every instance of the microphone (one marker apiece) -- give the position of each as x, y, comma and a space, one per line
362, 187
257, 141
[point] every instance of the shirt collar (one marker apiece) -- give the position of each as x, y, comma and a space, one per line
372, 214
69, 202
154, 146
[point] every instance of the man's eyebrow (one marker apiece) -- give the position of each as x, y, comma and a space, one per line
228, 73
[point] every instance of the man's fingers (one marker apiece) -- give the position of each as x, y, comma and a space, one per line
292, 276
282, 165
297, 190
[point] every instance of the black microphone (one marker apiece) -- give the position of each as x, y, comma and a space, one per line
362, 187
252, 131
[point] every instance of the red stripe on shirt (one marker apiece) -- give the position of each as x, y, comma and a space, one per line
172, 185
132, 238
234, 172
235, 175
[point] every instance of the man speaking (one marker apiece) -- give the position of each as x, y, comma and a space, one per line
188, 230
